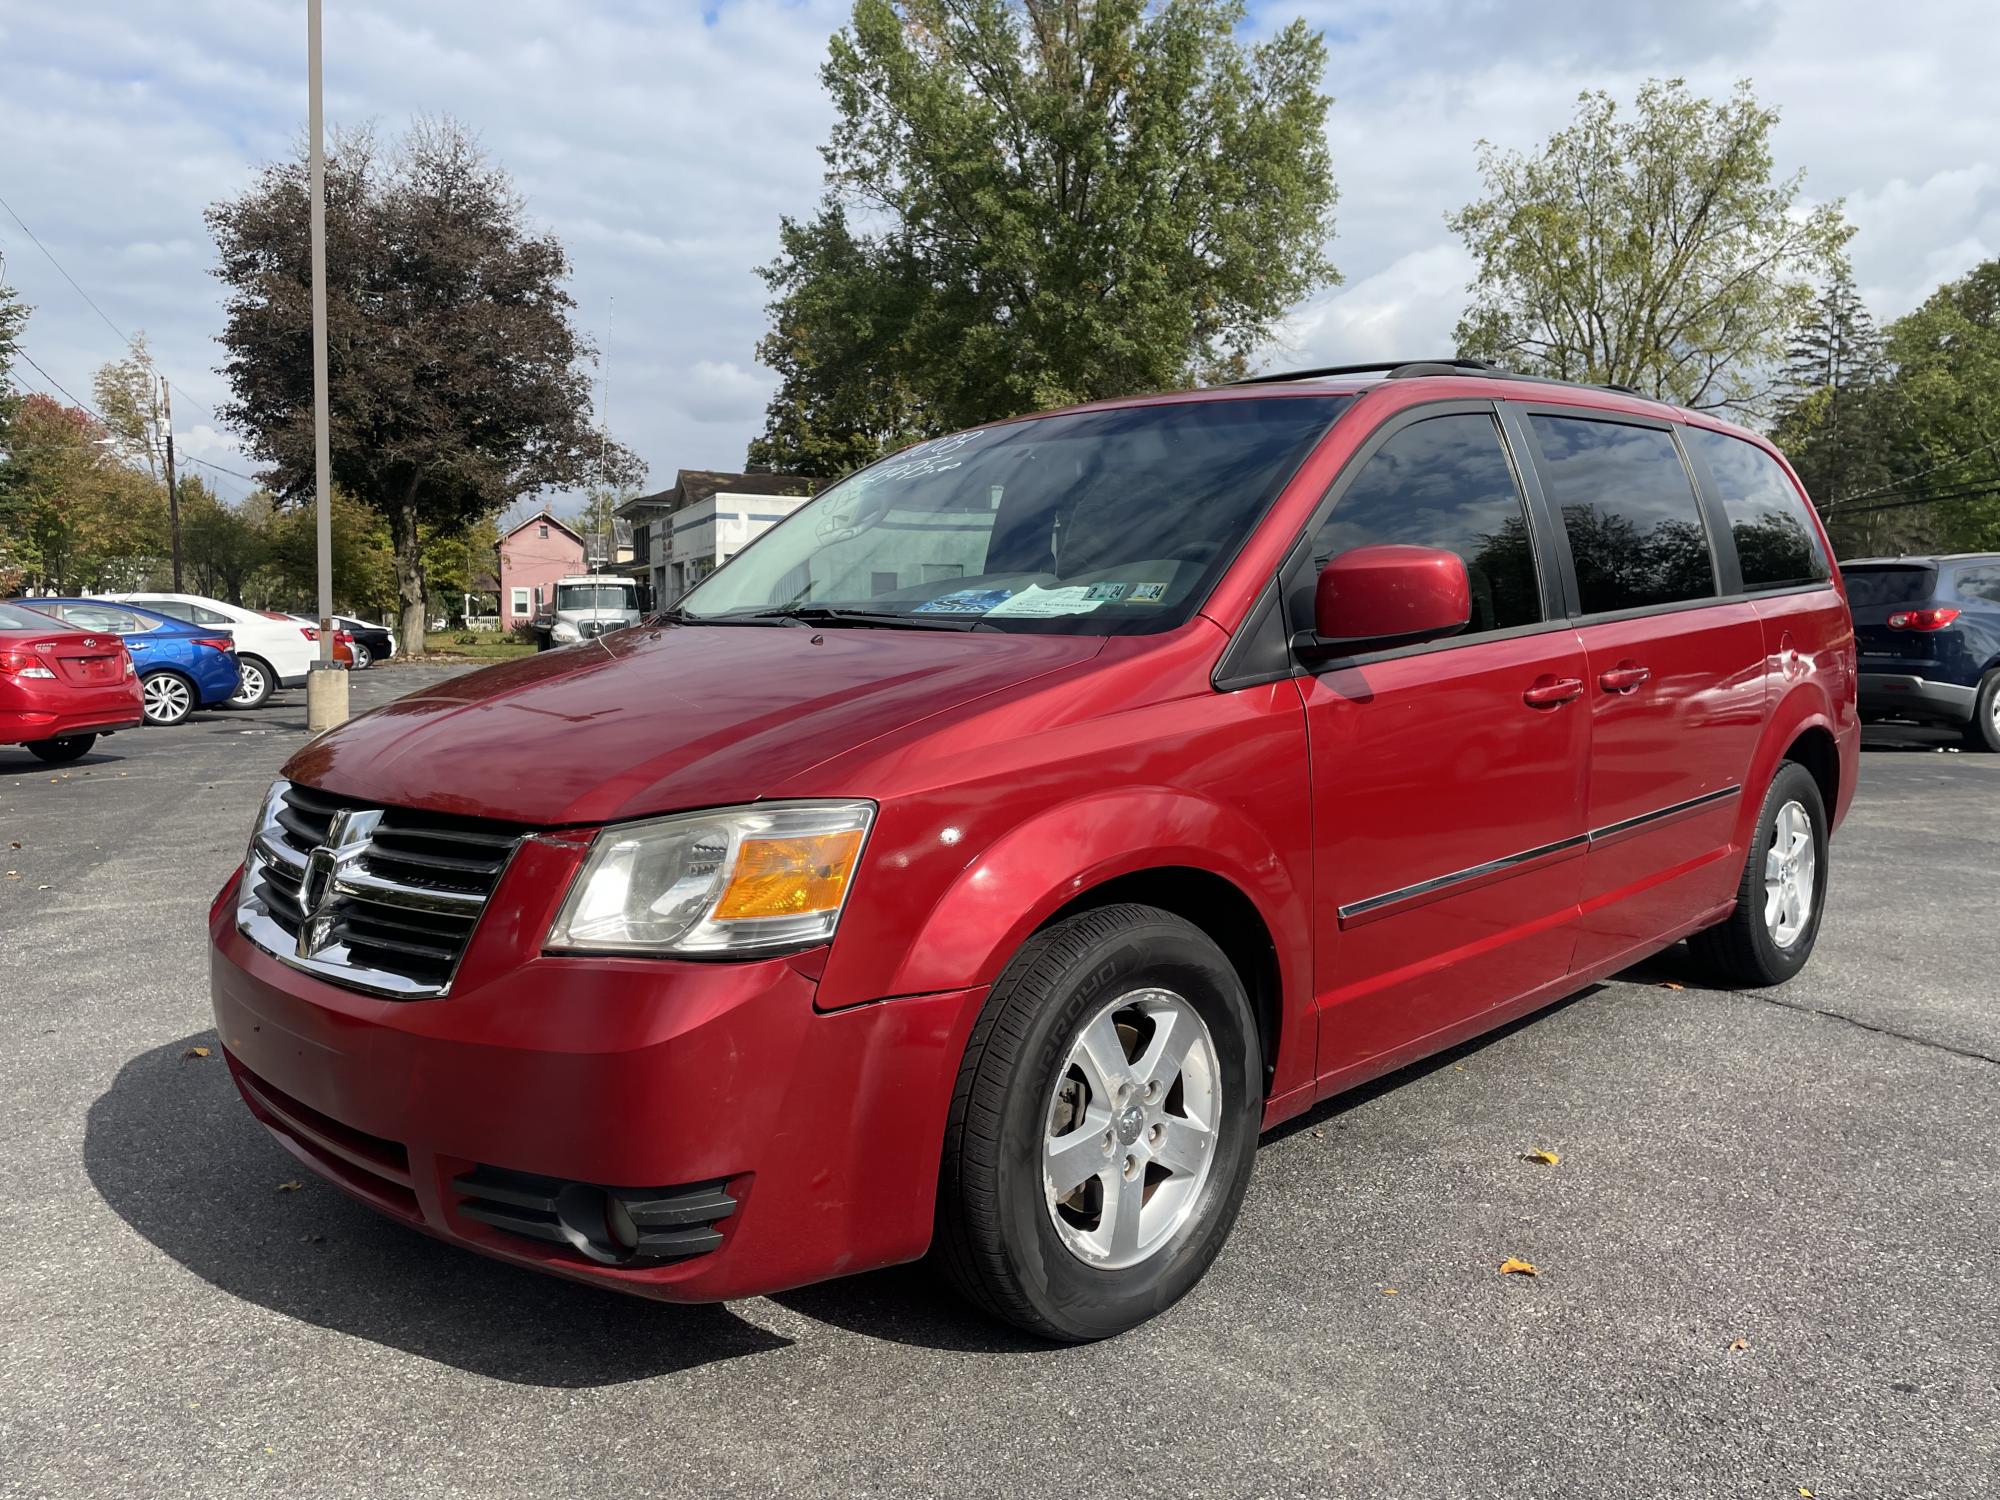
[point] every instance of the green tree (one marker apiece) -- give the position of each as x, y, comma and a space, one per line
1655, 250
364, 565
1836, 419
222, 546
457, 380
128, 399
1065, 199
13, 319
73, 517
1947, 359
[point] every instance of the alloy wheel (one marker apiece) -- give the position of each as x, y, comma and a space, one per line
1791, 866
249, 684
167, 699
362, 658
1131, 1128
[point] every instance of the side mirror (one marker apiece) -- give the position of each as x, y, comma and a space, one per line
1392, 595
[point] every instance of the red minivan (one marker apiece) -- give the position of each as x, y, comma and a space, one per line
980, 860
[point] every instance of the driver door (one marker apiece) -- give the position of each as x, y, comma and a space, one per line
1448, 778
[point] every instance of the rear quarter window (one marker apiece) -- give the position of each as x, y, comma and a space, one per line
1777, 546
1981, 583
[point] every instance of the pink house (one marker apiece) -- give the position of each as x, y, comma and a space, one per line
532, 557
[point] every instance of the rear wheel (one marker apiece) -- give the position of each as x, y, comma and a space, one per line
61, 752
168, 697
1983, 733
363, 659
253, 682
1103, 1125
1770, 935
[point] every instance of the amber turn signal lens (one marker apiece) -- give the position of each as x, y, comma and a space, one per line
790, 877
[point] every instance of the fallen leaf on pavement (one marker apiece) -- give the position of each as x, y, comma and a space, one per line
1737, 1346
1546, 1158
1513, 1267
1668, 984
1388, 1291
290, 1187
13, 843
194, 1052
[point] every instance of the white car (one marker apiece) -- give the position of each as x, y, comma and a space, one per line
272, 650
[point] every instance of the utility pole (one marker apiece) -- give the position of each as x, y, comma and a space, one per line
326, 684
173, 490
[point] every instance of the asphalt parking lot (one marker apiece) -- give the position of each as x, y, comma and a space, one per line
1767, 1255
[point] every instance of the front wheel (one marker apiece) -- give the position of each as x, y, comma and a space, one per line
253, 683
1103, 1125
61, 752
1782, 893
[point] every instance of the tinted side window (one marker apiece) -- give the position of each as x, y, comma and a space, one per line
1776, 545
1634, 525
172, 607
1980, 583
102, 617
1446, 483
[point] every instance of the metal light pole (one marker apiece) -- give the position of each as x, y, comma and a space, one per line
326, 683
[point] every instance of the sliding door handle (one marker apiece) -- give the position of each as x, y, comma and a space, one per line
1550, 692
1625, 677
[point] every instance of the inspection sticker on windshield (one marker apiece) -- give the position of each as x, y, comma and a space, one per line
964, 602
1107, 593
1146, 593
1034, 600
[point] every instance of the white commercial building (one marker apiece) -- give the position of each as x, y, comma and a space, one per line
681, 535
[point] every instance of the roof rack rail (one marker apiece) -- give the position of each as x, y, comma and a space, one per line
1393, 368
1407, 369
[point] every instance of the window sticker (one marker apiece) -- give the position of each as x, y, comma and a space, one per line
1107, 593
1146, 593
963, 602
1035, 601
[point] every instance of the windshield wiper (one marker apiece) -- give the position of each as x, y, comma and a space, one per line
825, 614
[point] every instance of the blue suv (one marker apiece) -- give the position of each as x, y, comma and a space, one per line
181, 667
1928, 631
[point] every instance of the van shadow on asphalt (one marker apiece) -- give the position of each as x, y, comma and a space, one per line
174, 1152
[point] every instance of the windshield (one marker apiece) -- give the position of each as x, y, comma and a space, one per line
593, 596
1102, 522
1892, 585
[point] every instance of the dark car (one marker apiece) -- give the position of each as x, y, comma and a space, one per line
372, 643
1928, 632
181, 667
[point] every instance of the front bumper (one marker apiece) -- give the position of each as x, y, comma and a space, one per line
1903, 695
675, 1078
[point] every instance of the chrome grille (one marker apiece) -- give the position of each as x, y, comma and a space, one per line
376, 899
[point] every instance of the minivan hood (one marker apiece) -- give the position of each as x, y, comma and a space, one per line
663, 717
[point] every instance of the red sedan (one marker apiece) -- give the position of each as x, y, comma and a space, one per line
61, 688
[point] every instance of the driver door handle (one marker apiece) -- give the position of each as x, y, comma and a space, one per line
1624, 677
1549, 692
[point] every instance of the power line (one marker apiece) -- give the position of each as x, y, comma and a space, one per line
56, 383
124, 336
1921, 473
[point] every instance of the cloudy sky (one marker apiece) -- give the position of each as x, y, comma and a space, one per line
662, 139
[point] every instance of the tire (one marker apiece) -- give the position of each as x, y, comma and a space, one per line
1760, 943
168, 697
363, 658
1983, 733
61, 752
1064, 1270
253, 689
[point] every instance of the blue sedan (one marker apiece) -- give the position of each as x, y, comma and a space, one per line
181, 667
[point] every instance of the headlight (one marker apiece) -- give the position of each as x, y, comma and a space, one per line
565, 632
267, 815
742, 880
